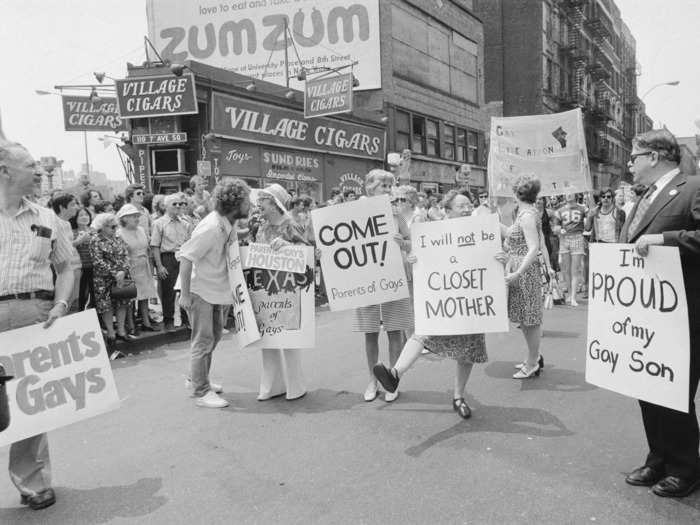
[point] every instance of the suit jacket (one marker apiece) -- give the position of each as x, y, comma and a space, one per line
675, 213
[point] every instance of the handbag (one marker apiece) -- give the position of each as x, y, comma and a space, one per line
548, 300
124, 292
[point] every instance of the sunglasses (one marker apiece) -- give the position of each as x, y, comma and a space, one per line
138, 193
634, 156
179, 204
606, 196
483, 196
399, 199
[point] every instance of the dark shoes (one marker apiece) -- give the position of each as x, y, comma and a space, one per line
644, 477
675, 487
43, 499
460, 406
388, 378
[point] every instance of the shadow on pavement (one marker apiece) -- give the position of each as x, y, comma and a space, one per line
89, 506
314, 402
505, 420
551, 378
133, 359
560, 334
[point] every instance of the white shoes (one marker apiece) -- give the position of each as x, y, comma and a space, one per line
211, 400
212, 386
372, 391
391, 396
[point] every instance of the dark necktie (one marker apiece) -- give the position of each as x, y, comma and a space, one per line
642, 208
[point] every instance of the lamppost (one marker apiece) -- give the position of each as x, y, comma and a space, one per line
652, 88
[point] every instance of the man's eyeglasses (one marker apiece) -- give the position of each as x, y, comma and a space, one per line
138, 193
180, 204
483, 196
400, 199
634, 156
606, 196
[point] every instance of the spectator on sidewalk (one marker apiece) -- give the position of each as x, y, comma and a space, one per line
205, 286
81, 240
65, 206
200, 195
134, 194
168, 235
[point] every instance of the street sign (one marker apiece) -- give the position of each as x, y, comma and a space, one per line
160, 138
329, 95
156, 96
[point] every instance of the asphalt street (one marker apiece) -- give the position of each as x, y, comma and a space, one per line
552, 450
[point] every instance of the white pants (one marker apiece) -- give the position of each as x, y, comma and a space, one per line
281, 372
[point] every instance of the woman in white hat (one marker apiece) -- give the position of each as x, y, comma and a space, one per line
141, 272
278, 229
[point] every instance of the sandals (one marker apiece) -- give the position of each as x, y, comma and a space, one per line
388, 378
460, 406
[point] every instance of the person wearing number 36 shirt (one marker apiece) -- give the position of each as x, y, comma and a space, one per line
668, 214
569, 221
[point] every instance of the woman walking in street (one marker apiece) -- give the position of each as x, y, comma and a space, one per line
394, 316
465, 349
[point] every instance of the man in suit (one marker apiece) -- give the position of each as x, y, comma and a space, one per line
668, 214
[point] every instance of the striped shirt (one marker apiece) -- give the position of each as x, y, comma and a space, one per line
27, 252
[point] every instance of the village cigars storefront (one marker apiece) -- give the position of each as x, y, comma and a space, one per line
264, 143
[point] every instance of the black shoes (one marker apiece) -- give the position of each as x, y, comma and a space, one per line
460, 406
388, 378
43, 499
644, 477
675, 487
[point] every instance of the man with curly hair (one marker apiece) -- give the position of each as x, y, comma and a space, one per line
205, 289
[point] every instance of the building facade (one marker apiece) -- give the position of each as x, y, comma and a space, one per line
429, 104
546, 56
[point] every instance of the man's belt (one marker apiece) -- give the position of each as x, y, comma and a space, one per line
44, 295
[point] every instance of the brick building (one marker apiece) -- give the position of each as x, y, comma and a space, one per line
433, 88
546, 56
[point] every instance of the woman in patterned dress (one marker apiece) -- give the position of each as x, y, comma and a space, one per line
465, 349
523, 274
110, 258
395, 316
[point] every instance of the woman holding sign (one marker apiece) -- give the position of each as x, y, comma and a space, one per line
466, 349
395, 316
278, 229
523, 274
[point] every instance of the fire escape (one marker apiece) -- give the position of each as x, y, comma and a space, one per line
576, 53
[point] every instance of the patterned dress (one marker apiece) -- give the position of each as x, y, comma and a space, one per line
109, 256
525, 294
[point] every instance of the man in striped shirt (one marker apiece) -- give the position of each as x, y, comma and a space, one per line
31, 241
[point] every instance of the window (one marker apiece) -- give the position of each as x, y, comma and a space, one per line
461, 145
403, 130
548, 75
449, 149
418, 137
433, 138
473, 147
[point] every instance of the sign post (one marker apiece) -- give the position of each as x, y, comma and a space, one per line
638, 334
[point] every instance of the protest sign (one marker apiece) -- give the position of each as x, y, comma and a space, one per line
638, 336
459, 286
360, 260
283, 303
245, 327
551, 148
289, 258
61, 375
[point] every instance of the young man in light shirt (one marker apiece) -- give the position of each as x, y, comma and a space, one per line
205, 289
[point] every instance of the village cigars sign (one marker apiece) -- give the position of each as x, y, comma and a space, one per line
82, 114
329, 95
61, 375
156, 96
251, 121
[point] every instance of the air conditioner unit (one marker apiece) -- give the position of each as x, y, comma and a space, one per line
168, 161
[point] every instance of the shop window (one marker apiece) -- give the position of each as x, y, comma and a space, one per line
418, 135
461, 145
432, 138
403, 130
448, 150
472, 147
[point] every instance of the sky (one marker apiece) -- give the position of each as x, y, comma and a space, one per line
52, 42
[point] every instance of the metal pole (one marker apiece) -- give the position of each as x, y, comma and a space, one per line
286, 53
87, 160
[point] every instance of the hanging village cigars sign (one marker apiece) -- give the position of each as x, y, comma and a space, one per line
83, 114
263, 124
156, 96
328, 95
